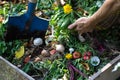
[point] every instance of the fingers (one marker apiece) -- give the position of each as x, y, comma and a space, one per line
78, 23
72, 26
79, 27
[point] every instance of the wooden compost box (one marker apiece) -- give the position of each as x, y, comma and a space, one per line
10, 72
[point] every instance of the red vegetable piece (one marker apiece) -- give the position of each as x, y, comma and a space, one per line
76, 55
86, 57
52, 51
27, 59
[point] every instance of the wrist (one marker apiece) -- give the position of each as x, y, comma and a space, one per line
91, 22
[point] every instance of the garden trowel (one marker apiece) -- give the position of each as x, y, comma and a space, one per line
26, 23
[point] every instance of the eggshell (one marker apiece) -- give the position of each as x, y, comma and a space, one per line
60, 48
38, 41
81, 38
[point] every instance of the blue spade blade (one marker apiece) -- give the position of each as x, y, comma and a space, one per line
36, 23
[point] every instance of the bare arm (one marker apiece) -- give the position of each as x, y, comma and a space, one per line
107, 9
85, 24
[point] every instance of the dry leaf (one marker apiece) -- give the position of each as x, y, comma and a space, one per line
19, 53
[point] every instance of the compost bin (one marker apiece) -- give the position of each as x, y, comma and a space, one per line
10, 72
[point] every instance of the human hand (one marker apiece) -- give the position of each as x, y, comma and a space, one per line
82, 25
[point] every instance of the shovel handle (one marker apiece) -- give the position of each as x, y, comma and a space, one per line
31, 7
33, 1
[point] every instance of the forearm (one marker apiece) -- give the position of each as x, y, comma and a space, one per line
107, 9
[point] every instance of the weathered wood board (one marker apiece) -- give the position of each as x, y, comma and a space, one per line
106, 72
10, 72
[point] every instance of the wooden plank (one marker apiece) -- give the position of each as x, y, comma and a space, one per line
106, 72
10, 72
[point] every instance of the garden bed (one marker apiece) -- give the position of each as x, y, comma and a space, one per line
9, 72
60, 53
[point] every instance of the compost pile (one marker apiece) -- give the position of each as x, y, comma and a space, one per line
61, 55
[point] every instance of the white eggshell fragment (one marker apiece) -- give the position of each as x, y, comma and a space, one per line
81, 38
38, 41
60, 48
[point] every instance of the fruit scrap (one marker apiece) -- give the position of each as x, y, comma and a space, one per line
87, 55
53, 51
76, 55
27, 59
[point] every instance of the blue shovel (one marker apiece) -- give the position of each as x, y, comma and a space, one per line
27, 25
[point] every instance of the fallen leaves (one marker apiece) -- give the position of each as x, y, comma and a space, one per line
20, 52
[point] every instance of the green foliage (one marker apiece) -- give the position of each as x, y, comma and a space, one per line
46, 6
57, 69
4, 9
16, 9
59, 21
8, 49
3, 47
27, 67
2, 31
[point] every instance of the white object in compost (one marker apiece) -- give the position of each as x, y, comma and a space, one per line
38, 41
95, 61
81, 38
71, 50
60, 48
